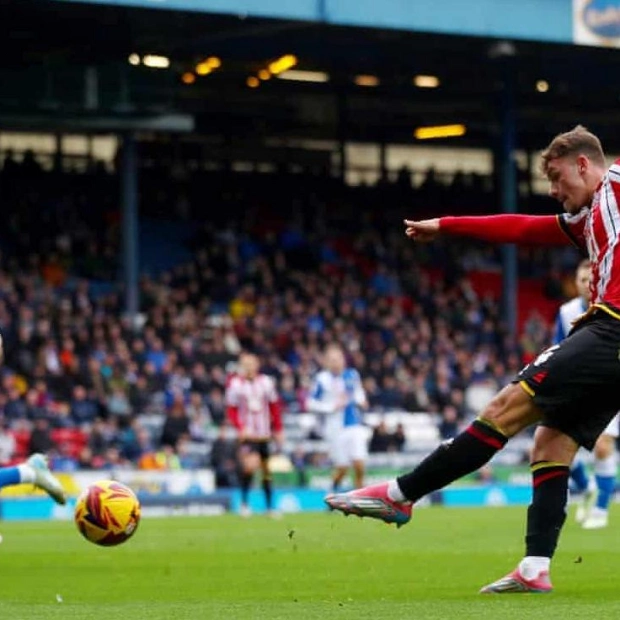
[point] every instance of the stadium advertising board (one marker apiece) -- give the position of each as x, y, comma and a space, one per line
161, 493
596, 22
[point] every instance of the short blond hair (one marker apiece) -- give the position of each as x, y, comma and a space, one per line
577, 141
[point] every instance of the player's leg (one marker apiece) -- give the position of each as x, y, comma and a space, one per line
583, 487
34, 471
358, 473
605, 472
249, 463
510, 411
266, 476
579, 475
550, 460
338, 454
561, 382
338, 474
358, 453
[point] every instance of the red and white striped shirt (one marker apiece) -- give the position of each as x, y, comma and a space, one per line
253, 406
595, 230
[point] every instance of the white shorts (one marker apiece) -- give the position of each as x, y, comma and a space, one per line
613, 427
347, 445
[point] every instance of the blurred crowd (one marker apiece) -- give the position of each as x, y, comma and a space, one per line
281, 264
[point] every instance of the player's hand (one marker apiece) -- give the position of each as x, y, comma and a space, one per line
424, 230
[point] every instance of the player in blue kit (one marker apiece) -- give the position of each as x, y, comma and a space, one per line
34, 471
337, 393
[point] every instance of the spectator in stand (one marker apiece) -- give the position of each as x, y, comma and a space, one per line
85, 459
381, 439
41, 438
15, 407
199, 417
449, 423
101, 437
83, 409
7, 444
133, 448
399, 438
290, 295
217, 405
176, 424
63, 459
223, 459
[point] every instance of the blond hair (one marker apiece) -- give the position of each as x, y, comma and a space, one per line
577, 141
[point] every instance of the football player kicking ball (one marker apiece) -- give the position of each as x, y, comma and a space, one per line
556, 390
591, 515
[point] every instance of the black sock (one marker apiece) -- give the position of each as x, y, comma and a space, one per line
268, 492
547, 512
452, 460
246, 483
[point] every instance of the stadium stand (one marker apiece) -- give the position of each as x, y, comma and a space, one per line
422, 325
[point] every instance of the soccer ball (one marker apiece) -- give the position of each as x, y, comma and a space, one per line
107, 513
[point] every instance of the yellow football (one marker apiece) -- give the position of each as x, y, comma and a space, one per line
107, 513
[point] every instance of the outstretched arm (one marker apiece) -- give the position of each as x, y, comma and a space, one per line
503, 228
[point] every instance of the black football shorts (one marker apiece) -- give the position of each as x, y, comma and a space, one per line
257, 446
576, 383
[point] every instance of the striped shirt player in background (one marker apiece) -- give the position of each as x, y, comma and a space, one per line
601, 489
570, 390
338, 395
253, 408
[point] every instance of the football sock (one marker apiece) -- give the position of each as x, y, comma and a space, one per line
606, 486
268, 492
547, 512
579, 476
15, 475
451, 460
531, 566
246, 482
9, 475
394, 492
605, 476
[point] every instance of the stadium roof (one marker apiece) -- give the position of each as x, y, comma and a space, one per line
46, 47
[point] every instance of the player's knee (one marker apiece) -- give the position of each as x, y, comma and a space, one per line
604, 447
510, 411
606, 466
552, 445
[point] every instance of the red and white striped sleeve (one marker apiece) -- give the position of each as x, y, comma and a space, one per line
573, 226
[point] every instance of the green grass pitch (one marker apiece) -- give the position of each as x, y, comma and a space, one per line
317, 565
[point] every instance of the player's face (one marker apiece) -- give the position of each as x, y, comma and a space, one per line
569, 184
249, 366
334, 360
582, 282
